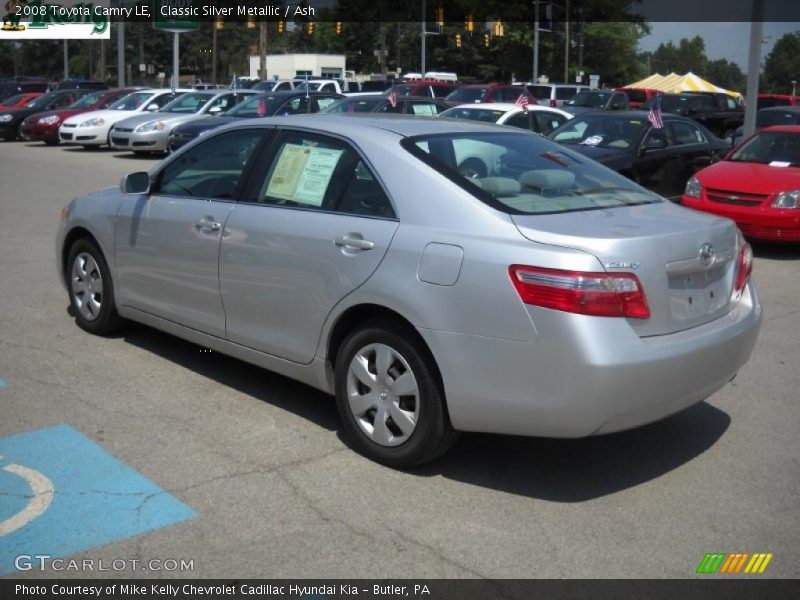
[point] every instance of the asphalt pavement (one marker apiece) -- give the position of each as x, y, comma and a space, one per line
271, 490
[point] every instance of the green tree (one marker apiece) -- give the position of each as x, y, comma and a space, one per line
610, 51
688, 55
725, 74
782, 65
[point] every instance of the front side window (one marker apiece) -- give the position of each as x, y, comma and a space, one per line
519, 173
548, 121
325, 101
295, 106
317, 172
212, 169
425, 109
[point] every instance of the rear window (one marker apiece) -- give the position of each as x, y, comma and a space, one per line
540, 92
636, 95
519, 173
467, 94
565, 93
777, 117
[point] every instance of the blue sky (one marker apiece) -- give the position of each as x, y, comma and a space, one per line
723, 40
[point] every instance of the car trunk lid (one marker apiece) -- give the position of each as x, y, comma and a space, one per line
685, 260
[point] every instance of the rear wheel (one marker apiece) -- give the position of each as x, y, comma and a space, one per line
91, 291
388, 396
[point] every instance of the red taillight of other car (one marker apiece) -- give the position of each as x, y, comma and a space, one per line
744, 266
552, 103
581, 292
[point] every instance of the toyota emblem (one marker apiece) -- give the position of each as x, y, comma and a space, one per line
707, 254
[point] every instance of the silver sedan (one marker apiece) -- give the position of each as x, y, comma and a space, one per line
150, 132
363, 256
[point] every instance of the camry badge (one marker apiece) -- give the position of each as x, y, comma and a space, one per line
621, 265
707, 254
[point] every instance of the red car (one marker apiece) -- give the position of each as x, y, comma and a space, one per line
486, 92
638, 96
757, 185
770, 100
43, 126
423, 87
19, 100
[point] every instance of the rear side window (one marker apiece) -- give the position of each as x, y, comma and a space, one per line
540, 92
686, 133
565, 93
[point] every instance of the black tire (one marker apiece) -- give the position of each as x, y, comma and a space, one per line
106, 321
433, 434
472, 168
19, 132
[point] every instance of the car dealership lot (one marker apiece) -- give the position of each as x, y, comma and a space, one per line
276, 493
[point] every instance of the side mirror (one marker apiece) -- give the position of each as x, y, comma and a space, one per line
135, 183
152, 107
701, 162
215, 110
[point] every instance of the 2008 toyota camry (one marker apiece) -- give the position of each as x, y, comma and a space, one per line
435, 276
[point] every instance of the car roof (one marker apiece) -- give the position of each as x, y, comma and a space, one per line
365, 124
793, 109
782, 129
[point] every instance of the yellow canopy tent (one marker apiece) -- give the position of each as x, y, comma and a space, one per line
647, 82
689, 82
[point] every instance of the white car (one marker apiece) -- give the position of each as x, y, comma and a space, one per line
92, 128
539, 119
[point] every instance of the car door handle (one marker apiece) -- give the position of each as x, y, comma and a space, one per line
354, 241
208, 224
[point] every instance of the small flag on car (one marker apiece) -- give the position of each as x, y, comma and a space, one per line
172, 84
233, 83
522, 102
654, 116
393, 98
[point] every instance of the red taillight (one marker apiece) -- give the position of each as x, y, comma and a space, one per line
585, 293
552, 103
744, 266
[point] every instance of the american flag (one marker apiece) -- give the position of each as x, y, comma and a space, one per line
522, 102
393, 98
654, 116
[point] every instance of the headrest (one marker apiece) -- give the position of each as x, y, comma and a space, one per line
547, 179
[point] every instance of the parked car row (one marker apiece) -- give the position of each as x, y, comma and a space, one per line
597, 124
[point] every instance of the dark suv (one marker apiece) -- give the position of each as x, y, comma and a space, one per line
718, 112
589, 100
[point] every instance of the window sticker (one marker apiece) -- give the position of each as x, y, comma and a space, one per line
593, 140
780, 163
303, 173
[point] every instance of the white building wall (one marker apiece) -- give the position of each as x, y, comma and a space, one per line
287, 66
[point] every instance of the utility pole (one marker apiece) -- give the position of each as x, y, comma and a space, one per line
756, 33
566, 43
262, 50
66, 60
213, 52
102, 60
176, 53
535, 40
120, 54
422, 36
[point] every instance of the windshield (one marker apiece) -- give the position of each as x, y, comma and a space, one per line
41, 100
186, 104
474, 114
589, 99
605, 131
261, 105
467, 94
673, 104
88, 100
768, 118
355, 105
131, 101
523, 174
13, 100
770, 147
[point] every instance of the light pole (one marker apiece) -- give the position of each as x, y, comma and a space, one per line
756, 32
794, 87
535, 40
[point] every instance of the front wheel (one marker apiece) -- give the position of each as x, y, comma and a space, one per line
91, 291
389, 399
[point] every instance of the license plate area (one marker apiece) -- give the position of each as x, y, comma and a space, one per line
699, 294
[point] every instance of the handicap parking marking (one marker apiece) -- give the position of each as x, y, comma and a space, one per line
61, 493
2, 383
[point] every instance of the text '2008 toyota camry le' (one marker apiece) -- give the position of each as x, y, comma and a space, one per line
435, 277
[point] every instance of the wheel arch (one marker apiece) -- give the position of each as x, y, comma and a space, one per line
354, 316
75, 234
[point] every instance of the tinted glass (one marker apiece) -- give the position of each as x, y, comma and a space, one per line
526, 174
686, 133
473, 114
548, 121
540, 92
211, 169
601, 130
13, 100
187, 103
260, 105
88, 100
637, 95
131, 101
467, 95
313, 171
565, 93
768, 118
589, 99
350, 105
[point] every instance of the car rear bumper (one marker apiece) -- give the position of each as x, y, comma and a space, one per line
588, 375
758, 222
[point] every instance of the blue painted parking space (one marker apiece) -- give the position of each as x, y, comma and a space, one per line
61, 493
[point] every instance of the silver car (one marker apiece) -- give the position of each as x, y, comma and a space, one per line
150, 132
358, 254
